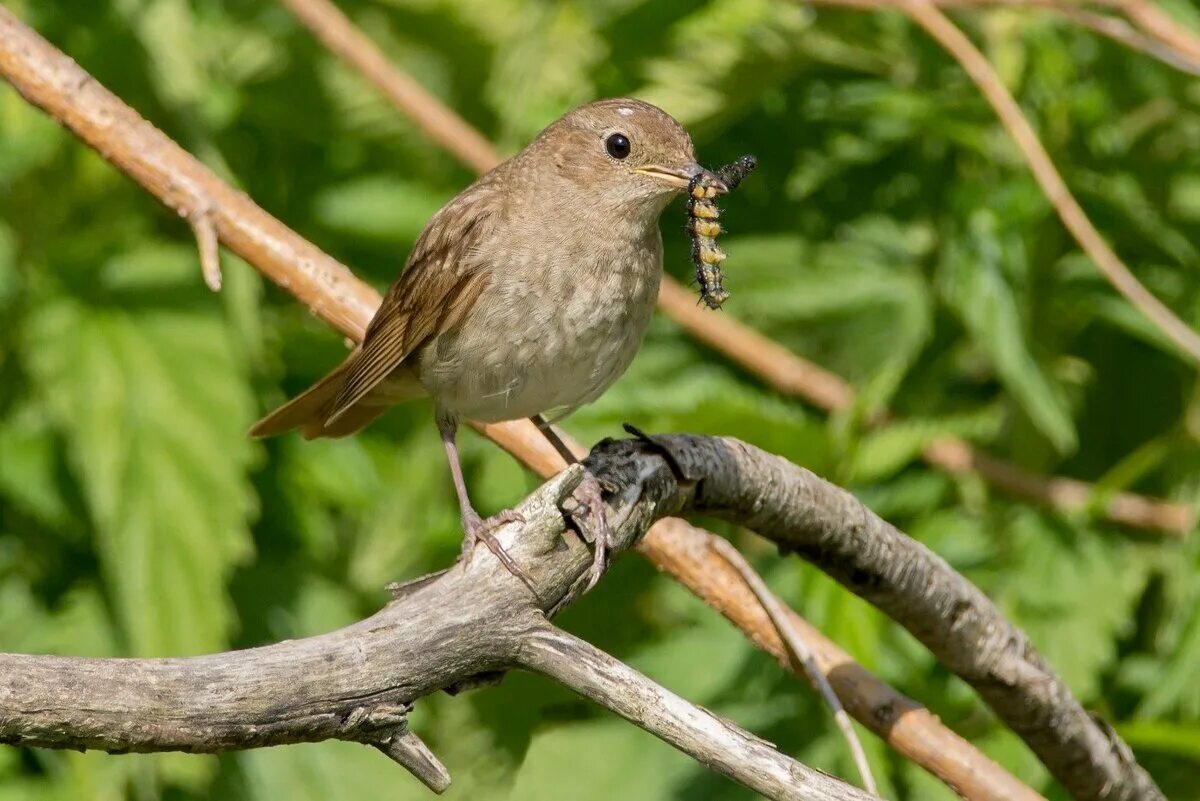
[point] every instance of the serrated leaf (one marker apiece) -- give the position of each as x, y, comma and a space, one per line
725, 54
154, 409
1073, 596
544, 70
971, 280
378, 207
880, 453
859, 305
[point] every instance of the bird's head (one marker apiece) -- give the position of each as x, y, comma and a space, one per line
621, 152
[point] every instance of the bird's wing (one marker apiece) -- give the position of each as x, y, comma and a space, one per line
433, 295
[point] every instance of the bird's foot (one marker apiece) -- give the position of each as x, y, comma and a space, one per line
590, 497
477, 529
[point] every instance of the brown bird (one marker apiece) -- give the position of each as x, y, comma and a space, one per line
527, 295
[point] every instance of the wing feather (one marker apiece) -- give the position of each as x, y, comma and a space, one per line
432, 296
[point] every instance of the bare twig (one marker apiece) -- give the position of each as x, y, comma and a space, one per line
52, 81
359, 683
1121, 32
414, 756
1157, 24
829, 527
765, 358
712, 740
1149, 31
206, 243
980, 70
802, 653
690, 555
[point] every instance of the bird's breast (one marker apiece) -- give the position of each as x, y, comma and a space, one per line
551, 331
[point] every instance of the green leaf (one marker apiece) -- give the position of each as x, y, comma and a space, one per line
30, 138
544, 70
1164, 737
725, 54
1073, 595
378, 207
971, 280
154, 408
881, 453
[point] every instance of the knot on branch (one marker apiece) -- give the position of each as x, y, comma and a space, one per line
368, 723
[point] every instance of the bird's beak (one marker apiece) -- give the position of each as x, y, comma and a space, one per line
680, 177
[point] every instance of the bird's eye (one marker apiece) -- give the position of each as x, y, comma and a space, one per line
617, 145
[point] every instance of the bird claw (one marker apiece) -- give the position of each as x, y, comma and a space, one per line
590, 496
478, 530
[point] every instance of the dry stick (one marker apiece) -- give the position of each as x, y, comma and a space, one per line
690, 555
1152, 31
976, 65
710, 739
206, 243
800, 649
545, 460
1157, 24
964, 630
359, 683
53, 82
1122, 32
777, 366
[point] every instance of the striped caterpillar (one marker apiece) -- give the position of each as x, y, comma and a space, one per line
704, 227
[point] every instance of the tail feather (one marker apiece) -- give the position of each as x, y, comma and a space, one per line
356, 418
310, 410
304, 410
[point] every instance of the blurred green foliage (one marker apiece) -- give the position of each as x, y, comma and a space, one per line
891, 233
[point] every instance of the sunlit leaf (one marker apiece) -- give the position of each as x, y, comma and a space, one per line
155, 407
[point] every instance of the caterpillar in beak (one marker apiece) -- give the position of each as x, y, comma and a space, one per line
704, 225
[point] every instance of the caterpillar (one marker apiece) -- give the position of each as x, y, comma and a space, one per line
704, 225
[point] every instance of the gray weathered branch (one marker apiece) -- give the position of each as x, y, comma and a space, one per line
359, 683
829, 527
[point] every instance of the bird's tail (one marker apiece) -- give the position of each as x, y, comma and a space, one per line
309, 411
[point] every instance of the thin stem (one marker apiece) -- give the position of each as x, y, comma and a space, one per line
694, 730
803, 654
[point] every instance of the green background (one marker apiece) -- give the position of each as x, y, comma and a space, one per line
891, 233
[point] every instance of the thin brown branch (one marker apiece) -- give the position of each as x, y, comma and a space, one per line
777, 366
360, 682
1157, 24
1123, 33
981, 72
830, 528
689, 554
802, 652
1141, 26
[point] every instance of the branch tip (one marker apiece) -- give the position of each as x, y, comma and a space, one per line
206, 242
413, 755
801, 651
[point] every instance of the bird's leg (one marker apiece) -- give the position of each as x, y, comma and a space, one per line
476, 528
589, 495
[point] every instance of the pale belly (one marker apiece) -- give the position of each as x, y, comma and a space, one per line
541, 347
